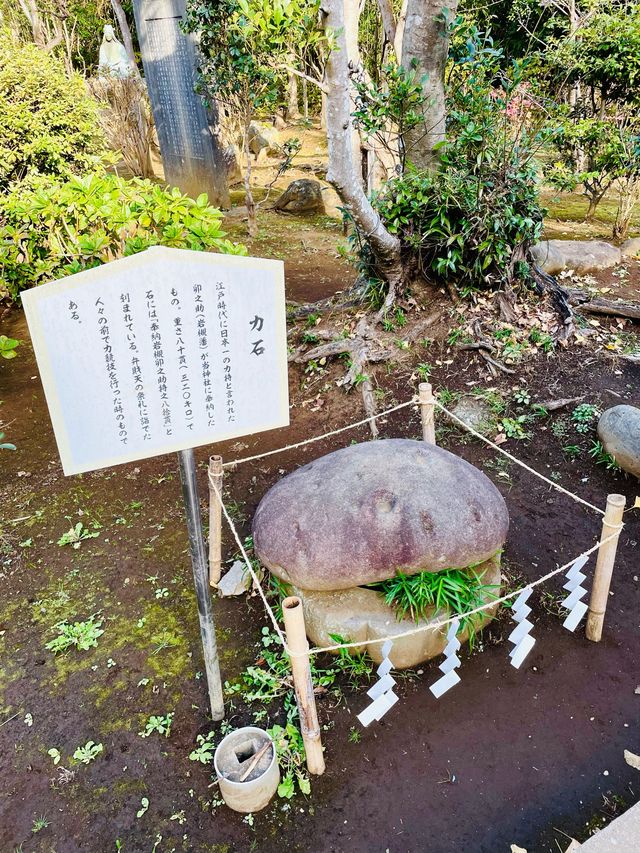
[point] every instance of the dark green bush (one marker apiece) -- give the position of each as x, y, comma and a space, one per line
48, 122
472, 220
49, 229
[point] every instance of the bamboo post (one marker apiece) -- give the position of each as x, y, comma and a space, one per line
604, 567
215, 472
427, 409
297, 641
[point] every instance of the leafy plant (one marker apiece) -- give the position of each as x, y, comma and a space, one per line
53, 228
357, 666
472, 221
291, 756
453, 591
89, 752
39, 824
601, 456
8, 347
205, 749
48, 122
76, 535
159, 724
514, 427
583, 416
80, 635
6, 445
54, 754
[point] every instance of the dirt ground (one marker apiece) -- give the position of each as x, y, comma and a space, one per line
531, 756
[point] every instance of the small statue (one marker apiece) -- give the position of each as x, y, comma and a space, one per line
113, 60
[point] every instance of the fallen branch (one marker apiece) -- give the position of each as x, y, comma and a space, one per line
554, 405
612, 308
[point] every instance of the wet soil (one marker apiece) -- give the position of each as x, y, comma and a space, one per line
526, 756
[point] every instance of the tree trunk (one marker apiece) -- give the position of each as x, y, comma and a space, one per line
425, 44
125, 32
293, 111
343, 172
252, 222
388, 20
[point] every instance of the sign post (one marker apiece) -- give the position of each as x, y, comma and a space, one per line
201, 581
161, 352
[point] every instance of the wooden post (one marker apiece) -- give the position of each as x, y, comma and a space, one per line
215, 472
604, 567
425, 397
297, 641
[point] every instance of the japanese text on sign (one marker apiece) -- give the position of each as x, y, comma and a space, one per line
161, 351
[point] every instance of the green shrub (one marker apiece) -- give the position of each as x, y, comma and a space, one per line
48, 121
49, 229
472, 220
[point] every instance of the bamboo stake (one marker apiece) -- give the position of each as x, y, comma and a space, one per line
425, 398
297, 641
604, 567
215, 472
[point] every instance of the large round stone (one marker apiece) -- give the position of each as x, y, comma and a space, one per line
619, 432
361, 615
363, 513
581, 256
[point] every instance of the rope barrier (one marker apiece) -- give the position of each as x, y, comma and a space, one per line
432, 626
411, 402
252, 572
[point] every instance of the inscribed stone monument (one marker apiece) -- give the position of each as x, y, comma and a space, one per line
192, 155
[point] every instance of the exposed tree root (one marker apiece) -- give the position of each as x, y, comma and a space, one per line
546, 283
364, 349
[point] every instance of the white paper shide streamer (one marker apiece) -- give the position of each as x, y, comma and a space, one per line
382, 695
520, 636
450, 662
573, 603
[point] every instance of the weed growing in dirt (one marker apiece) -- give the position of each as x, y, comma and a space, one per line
291, 757
204, 751
76, 535
354, 735
89, 752
159, 724
81, 635
515, 427
39, 824
452, 591
55, 755
583, 417
601, 456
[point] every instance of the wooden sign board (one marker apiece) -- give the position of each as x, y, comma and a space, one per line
162, 351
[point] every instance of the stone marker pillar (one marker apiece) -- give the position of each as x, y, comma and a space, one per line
192, 155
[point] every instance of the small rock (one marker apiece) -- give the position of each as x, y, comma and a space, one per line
516, 849
581, 256
301, 196
637, 690
619, 432
631, 247
263, 139
232, 160
235, 582
475, 413
632, 759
